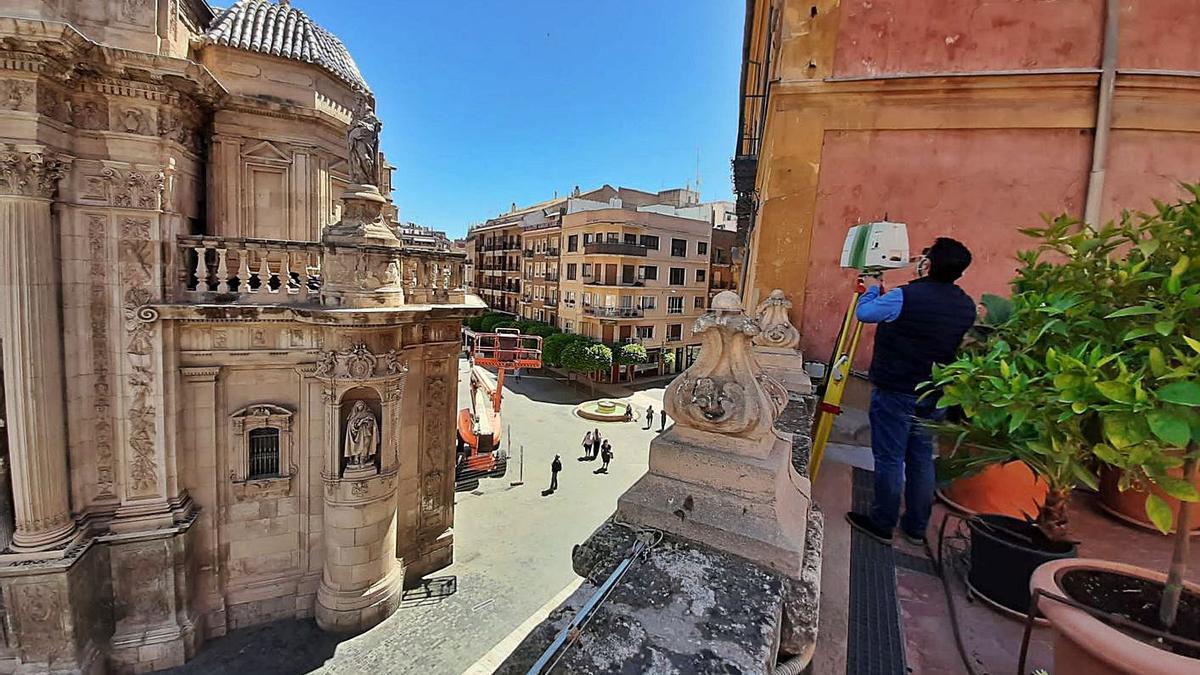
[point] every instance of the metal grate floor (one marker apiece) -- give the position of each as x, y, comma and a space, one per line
875, 643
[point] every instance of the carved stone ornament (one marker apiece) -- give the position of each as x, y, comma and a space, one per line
16, 95
362, 436
358, 363
721, 392
135, 271
30, 173
777, 328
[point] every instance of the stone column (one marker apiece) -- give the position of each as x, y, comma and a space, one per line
31, 332
361, 578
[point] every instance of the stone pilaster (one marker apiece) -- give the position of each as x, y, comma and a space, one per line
435, 464
31, 334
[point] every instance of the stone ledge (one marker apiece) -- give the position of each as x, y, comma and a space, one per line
684, 608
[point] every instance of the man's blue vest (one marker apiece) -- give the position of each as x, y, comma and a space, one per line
929, 330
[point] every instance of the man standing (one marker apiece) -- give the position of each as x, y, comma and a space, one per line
555, 467
596, 440
920, 324
649, 417
606, 454
662, 419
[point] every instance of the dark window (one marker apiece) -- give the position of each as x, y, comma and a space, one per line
677, 276
264, 452
650, 272
679, 247
702, 247
572, 243
587, 238
699, 303
700, 275
627, 274
570, 271
650, 241
674, 332
630, 238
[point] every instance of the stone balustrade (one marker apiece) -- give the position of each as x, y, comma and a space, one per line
286, 272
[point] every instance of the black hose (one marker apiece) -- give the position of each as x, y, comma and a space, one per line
941, 572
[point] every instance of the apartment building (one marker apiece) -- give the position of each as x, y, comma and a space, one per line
722, 275
498, 264
635, 274
540, 276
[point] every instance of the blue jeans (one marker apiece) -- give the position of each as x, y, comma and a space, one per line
903, 452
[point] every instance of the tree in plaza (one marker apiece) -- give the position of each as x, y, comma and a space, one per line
553, 346
488, 324
630, 355
586, 358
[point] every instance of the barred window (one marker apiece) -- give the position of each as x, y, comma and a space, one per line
264, 452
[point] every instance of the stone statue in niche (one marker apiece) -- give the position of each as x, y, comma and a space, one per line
364, 145
362, 432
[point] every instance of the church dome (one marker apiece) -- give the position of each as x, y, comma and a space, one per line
282, 30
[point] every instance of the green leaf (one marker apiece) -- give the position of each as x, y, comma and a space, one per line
1193, 343
1113, 390
1159, 513
1135, 333
1148, 246
1185, 392
1079, 407
1122, 430
1018, 416
1136, 310
1085, 475
1158, 362
1107, 454
1164, 327
1170, 427
1178, 488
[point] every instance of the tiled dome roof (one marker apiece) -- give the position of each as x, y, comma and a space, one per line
282, 30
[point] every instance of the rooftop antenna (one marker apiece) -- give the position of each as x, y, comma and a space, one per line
697, 170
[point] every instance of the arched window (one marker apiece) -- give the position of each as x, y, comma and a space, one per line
264, 453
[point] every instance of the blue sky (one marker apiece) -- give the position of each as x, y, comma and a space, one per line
487, 103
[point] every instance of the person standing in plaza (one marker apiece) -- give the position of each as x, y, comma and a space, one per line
587, 444
628, 412
920, 324
555, 467
649, 417
606, 454
662, 416
596, 440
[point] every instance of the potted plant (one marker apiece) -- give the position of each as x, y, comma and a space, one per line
1143, 399
1009, 488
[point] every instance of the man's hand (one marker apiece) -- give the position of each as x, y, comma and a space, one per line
868, 281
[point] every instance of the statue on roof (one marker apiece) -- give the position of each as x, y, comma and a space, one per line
364, 145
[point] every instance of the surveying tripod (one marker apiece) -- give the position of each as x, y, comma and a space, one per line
838, 375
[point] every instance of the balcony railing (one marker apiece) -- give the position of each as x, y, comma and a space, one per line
614, 248
614, 312
552, 252
527, 253
674, 338
630, 284
276, 272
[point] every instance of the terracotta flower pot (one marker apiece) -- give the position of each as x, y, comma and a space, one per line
1084, 644
1006, 489
1130, 505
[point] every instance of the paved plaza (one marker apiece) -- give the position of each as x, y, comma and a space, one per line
512, 552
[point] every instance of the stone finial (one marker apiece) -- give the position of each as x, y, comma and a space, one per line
721, 392
25, 173
777, 328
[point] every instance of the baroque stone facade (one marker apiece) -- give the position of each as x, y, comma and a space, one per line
228, 388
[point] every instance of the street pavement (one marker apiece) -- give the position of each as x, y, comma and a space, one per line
512, 549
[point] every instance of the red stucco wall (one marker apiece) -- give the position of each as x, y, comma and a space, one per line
976, 186
1159, 34
1145, 165
902, 36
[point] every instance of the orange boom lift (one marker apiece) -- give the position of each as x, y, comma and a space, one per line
480, 428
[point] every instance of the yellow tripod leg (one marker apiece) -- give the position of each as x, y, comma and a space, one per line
839, 374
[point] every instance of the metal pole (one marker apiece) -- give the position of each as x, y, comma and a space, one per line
521, 480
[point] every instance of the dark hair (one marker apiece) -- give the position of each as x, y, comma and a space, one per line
948, 259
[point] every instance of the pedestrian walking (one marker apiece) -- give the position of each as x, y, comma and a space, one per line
555, 467
649, 417
606, 454
587, 444
662, 419
596, 440
628, 412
